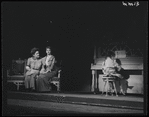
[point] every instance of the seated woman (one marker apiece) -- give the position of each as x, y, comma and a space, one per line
108, 66
121, 76
46, 73
33, 68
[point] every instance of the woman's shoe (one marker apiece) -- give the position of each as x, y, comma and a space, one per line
122, 93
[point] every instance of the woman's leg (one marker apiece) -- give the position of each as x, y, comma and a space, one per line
111, 87
43, 83
26, 82
39, 82
50, 75
32, 81
123, 86
117, 83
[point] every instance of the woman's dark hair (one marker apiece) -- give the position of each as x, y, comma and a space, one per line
33, 51
110, 54
48, 47
118, 61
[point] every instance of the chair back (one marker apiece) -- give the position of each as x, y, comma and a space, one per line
18, 67
105, 78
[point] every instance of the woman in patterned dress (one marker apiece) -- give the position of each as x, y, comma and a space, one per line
33, 68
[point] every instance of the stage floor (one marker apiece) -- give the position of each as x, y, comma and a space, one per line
127, 101
86, 95
30, 107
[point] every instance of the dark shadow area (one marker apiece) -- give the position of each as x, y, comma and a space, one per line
13, 110
134, 72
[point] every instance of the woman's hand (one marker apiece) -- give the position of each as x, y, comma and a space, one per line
115, 74
28, 68
43, 71
48, 71
118, 75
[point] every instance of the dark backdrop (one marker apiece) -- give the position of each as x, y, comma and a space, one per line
71, 29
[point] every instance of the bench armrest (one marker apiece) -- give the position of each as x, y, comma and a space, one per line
59, 73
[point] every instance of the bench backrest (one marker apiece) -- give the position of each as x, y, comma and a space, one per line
18, 67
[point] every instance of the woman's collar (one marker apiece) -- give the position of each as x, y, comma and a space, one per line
34, 58
49, 55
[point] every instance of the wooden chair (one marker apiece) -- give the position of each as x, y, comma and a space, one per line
16, 73
106, 80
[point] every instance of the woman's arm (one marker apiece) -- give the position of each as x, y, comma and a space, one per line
53, 62
43, 66
50, 67
118, 75
28, 65
103, 67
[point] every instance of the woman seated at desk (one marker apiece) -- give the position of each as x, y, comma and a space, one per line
108, 67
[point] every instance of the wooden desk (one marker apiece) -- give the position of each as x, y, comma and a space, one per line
129, 63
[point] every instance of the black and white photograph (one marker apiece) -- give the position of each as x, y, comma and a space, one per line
74, 58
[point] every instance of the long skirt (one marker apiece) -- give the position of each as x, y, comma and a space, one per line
121, 85
43, 81
30, 81
109, 70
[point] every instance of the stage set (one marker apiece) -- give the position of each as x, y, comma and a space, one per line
131, 60
134, 98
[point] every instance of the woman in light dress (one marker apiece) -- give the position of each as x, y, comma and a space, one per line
47, 72
33, 68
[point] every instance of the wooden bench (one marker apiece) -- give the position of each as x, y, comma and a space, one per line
13, 75
16, 74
